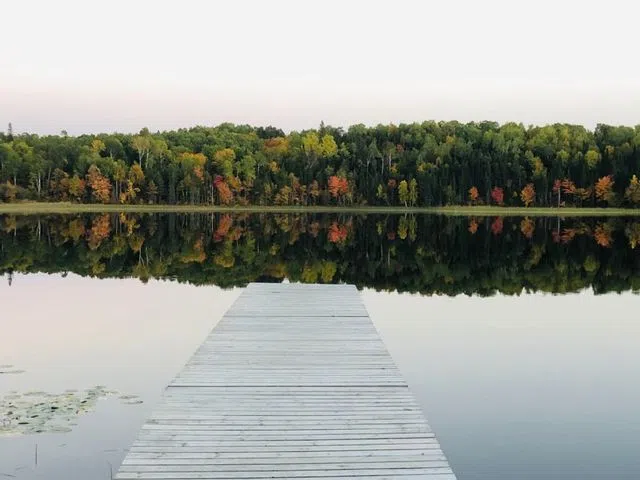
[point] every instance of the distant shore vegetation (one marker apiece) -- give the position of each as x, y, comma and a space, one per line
429, 164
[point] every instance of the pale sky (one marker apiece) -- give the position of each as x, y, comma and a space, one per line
120, 65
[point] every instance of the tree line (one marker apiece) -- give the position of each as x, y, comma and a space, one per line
473, 256
419, 164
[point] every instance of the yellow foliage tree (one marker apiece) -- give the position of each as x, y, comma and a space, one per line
632, 193
528, 195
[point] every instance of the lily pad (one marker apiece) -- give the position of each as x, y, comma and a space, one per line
40, 412
127, 397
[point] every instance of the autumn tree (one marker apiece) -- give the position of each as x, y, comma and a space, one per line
473, 195
97, 146
497, 195
528, 195
604, 189
329, 146
225, 196
8, 191
224, 159
77, 188
632, 192
565, 186
59, 184
441, 163
99, 184
592, 159
192, 166
338, 186
135, 180
381, 194
314, 191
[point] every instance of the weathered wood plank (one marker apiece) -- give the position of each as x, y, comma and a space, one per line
294, 382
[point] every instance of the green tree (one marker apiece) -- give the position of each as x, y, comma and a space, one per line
403, 192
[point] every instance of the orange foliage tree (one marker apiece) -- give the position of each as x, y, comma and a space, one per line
565, 186
604, 189
224, 192
473, 195
99, 184
338, 186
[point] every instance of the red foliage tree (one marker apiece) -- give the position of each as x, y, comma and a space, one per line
224, 192
497, 195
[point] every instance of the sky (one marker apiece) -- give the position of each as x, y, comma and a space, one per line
89, 67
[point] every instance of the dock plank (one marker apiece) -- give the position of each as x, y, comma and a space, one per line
293, 382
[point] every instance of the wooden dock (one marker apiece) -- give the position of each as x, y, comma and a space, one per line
293, 382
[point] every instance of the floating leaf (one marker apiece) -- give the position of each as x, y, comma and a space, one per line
127, 397
40, 412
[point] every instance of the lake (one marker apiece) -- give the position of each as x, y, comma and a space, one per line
519, 336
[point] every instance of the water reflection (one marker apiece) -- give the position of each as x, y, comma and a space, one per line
426, 254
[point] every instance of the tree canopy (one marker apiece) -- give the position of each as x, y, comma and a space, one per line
419, 164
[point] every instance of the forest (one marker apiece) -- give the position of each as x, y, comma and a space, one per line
425, 254
419, 164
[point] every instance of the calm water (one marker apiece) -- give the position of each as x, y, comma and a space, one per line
540, 385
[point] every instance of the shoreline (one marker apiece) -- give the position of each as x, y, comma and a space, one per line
34, 208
